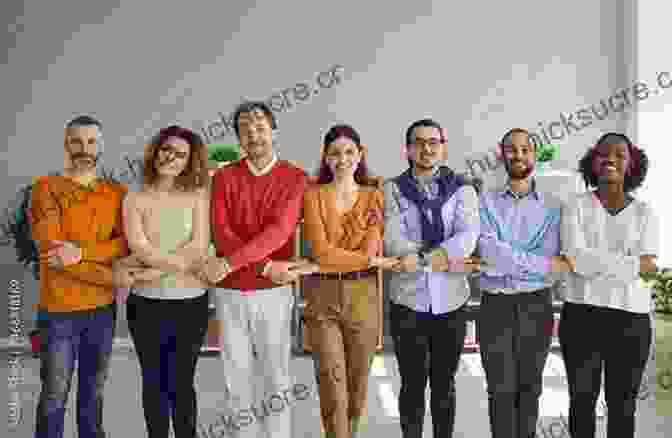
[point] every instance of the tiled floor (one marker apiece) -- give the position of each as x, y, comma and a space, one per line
124, 419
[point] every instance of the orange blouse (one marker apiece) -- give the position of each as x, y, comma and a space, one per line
343, 242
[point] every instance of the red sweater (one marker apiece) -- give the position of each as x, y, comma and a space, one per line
254, 219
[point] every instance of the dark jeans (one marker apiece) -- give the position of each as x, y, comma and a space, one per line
419, 338
594, 338
168, 335
514, 333
84, 336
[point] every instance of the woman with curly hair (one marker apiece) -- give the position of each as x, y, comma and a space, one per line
343, 215
609, 237
168, 231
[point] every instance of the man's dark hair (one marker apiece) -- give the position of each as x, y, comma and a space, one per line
83, 120
639, 163
410, 132
507, 139
251, 106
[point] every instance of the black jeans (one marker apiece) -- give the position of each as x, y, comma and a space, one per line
419, 338
594, 338
168, 335
514, 333
81, 336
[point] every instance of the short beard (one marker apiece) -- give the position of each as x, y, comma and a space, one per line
83, 167
518, 176
421, 166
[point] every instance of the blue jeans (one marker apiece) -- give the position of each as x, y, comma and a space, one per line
85, 336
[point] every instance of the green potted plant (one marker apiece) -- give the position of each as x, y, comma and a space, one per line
661, 285
545, 154
222, 154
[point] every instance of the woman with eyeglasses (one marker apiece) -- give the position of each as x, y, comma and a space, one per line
609, 237
167, 227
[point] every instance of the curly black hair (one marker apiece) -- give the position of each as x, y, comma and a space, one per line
638, 168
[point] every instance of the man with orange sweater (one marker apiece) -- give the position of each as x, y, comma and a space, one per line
77, 223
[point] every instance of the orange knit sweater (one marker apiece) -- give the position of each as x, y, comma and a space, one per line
62, 209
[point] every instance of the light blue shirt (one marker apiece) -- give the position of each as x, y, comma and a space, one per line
519, 236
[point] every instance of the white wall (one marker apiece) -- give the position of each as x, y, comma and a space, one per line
654, 114
480, 68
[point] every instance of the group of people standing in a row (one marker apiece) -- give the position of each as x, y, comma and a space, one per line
429, 227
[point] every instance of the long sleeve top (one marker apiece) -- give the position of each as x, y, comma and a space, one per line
343, 242
62, 209
157, 229
254, 215
607, 249
436, 292
519, 236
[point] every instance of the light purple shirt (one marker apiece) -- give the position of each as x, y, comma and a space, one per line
519, 236
438, 292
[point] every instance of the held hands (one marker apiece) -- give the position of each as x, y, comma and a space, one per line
409, 263
209, 269
305, 267
383, 262
284, 272
440, 262
126, 271
563, 264
62, 253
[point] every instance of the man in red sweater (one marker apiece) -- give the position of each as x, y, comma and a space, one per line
255, 208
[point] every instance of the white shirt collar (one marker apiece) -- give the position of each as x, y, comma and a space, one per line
265, 170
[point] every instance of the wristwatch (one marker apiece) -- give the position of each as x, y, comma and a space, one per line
423, 262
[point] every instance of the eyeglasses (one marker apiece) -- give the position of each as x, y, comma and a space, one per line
423, 142
179, 154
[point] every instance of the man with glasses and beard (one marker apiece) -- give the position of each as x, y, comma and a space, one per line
432, 225
77, 222
519, 247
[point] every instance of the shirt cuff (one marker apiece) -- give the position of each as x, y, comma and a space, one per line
545, 265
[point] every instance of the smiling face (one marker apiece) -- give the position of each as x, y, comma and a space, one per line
81, 147
343, 156
611, 162
256, 134
426, 151
519, 156
172, 157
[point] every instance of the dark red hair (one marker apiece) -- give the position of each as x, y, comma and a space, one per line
325, 175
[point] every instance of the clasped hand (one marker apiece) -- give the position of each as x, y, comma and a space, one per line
62, 253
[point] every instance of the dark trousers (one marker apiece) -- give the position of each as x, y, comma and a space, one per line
595, 338
419, 338
514, 332
168, 335
85, 337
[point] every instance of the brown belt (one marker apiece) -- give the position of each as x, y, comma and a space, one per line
346, 275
